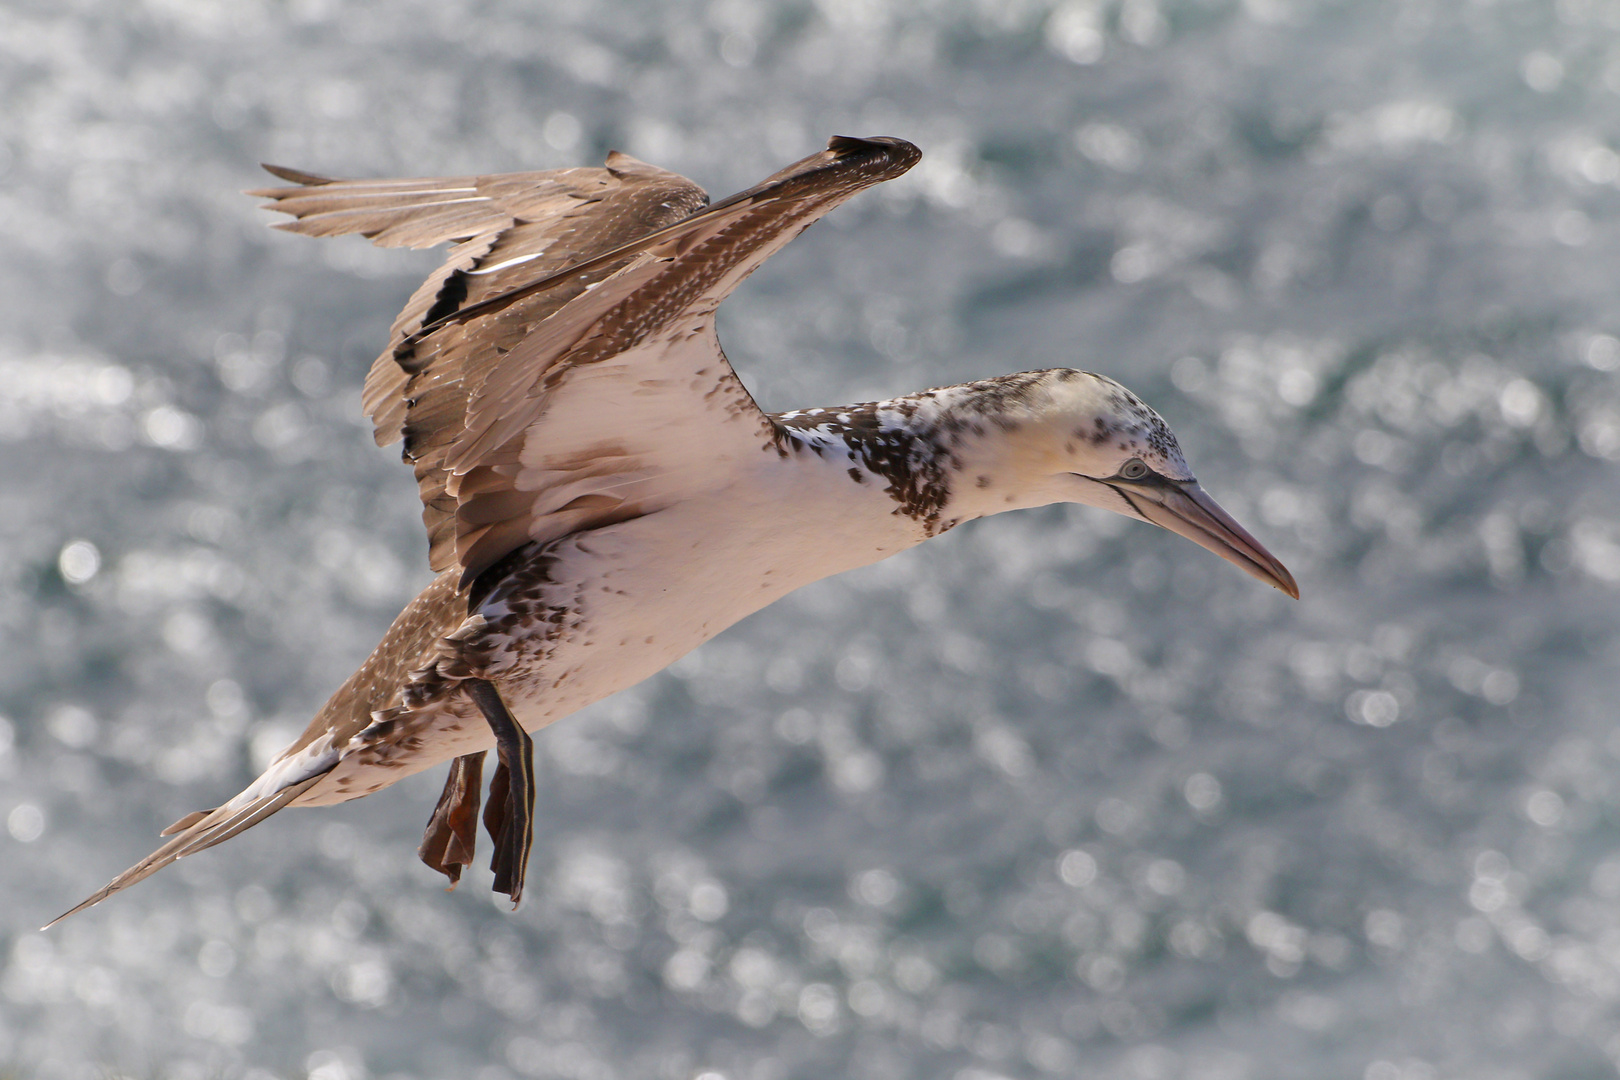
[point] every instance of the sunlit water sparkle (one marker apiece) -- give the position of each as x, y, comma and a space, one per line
1052, 796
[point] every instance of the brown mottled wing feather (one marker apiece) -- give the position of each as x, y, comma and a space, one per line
508, 229
587, 386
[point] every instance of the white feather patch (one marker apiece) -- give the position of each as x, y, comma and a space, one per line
518, 261
289, 769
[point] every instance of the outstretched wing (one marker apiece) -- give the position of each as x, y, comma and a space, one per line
561, 371
509, 230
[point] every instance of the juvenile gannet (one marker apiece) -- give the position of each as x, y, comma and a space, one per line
601, 493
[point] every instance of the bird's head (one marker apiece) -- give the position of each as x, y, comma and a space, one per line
1072, 436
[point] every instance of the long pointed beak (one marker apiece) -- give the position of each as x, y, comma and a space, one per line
1184, 508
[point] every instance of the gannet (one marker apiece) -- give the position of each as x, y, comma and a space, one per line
601, 493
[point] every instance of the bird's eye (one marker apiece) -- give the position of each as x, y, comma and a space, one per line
1133, 469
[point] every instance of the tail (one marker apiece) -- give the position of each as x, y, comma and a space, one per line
212, 827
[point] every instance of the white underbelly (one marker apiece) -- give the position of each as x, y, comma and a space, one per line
640, 595
651, 590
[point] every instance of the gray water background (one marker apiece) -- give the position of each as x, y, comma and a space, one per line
1055, 795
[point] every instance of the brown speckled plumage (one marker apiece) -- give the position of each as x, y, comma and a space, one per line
553, 276
602, 495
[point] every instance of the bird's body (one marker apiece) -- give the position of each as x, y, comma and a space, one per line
827, 490
601, 493
594, 613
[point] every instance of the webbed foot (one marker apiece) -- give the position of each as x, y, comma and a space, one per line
452, 831
509, 815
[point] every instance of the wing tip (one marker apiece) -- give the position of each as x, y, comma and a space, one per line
623, 166
900, 154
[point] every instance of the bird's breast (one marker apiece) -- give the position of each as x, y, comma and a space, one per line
615, 605
599, 611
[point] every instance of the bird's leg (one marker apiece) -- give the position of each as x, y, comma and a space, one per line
509, 817
452, 831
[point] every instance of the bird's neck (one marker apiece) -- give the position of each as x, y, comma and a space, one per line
943, 456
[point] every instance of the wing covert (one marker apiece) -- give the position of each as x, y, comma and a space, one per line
560, 371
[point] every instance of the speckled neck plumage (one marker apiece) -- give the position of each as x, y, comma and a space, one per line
917, 447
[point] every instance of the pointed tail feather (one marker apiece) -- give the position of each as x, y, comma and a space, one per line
214, 828
188, 821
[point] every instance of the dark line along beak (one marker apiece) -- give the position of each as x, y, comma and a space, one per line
1185, 509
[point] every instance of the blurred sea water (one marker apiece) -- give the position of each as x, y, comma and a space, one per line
1053, 796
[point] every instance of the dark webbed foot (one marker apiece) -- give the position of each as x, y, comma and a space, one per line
452, 831
509, 816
